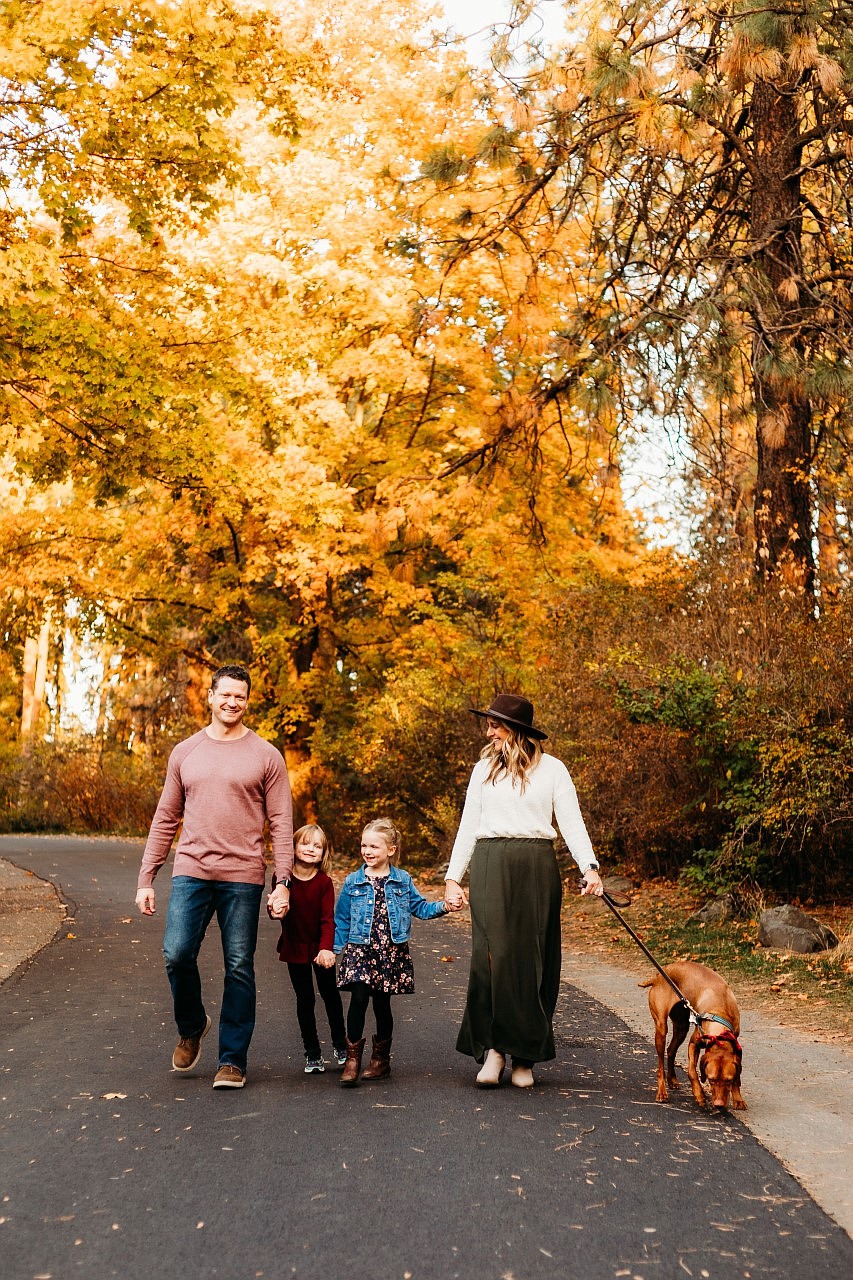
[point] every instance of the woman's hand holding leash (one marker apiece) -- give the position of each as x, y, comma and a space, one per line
591, 883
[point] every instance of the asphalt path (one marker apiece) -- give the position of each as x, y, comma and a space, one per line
112, 1165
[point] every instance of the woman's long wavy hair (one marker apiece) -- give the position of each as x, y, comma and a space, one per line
516, 756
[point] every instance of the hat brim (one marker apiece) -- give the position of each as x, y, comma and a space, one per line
527, 729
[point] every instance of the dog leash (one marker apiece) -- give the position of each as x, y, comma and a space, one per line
694, 1016
639, 941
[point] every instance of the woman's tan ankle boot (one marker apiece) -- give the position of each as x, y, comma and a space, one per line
489, 1075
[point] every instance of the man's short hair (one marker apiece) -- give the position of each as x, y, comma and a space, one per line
232, 672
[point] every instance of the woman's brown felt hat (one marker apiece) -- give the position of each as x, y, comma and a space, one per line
515, 711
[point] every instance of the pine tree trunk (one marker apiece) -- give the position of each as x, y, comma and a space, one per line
783, 503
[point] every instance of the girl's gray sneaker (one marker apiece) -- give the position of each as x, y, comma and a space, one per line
314, 1066
340, 1056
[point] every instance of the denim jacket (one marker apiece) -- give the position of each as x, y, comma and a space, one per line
354, 909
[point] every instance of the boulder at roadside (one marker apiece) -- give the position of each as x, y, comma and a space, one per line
787, 928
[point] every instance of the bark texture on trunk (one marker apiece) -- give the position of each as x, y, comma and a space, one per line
783, 502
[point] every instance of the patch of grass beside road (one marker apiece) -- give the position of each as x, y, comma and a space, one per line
812, 992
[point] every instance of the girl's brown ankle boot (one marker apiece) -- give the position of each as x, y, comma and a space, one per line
379, 1065
352, 1067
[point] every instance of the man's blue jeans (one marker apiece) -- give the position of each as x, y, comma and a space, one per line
191, 908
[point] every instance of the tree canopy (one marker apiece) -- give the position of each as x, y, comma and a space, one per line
322, 347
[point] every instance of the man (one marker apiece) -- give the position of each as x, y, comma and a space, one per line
223, 783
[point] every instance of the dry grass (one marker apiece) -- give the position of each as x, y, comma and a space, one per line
813, 993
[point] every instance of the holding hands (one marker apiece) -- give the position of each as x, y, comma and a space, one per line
455, 897
278, 902
326, 959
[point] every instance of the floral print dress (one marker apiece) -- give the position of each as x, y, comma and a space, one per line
383, 964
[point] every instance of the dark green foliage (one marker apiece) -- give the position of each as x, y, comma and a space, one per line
498, 147
445, 165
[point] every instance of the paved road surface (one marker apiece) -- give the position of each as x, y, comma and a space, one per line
113, 1166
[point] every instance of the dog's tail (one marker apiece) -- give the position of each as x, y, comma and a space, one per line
649, 982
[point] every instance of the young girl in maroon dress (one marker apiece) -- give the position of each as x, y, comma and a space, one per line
373, 920
307, 937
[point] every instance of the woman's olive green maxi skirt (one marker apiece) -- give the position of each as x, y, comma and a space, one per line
515, 893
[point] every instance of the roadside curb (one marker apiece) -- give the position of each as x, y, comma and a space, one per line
31, 912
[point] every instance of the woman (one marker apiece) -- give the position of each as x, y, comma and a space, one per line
506, 834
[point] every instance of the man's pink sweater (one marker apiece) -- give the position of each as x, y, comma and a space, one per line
223, 789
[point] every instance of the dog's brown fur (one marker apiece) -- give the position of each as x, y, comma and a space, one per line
720, 1062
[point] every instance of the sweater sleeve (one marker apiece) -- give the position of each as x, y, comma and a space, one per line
164, 824
327, 917
279, 811
466, 836
570, 821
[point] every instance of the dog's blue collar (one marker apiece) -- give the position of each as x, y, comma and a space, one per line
696, 1018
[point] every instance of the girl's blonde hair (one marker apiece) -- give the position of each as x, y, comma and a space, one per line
311, 829
386, 828
516, 756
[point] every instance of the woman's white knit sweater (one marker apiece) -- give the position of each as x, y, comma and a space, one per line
500, 808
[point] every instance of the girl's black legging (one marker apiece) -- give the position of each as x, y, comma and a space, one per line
302, 977
360, 997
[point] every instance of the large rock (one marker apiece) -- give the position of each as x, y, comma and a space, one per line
722, 908
790, 929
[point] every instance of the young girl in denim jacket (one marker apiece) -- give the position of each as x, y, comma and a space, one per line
373, 920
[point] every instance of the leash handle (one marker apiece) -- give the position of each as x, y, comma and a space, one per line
618, 914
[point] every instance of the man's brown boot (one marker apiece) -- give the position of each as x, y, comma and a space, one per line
188, 1049
380, 1063
352, 1068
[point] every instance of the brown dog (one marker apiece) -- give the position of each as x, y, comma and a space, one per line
721, 1053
